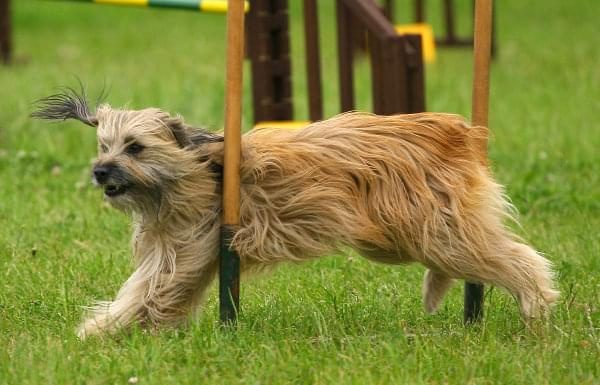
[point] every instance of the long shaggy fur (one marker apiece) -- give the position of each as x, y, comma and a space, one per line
398, 189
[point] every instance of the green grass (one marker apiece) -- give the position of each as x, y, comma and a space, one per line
339, 319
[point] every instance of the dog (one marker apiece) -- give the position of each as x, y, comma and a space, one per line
397, 189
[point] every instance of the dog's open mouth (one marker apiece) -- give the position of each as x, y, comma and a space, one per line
113, 190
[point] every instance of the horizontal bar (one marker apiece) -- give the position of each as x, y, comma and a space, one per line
370, 16
285, 124
213, 6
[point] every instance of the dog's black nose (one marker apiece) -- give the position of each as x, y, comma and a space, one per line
101, 174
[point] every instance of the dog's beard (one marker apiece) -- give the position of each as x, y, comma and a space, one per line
142, 200
126, 195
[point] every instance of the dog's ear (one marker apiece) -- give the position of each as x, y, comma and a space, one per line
67, 104
188, 136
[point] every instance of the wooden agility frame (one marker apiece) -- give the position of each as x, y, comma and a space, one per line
397, 69
450, 37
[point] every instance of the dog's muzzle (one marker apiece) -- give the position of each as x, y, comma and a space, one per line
110, 178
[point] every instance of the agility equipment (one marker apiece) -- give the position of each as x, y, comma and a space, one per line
427, 39
450, 37
219, 6
5, 32
482, 48
396, 63
229, 272
396, 60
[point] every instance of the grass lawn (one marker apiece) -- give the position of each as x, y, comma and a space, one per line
336, 320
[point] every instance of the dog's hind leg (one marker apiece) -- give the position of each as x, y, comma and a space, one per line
435, 287
508, 264
526, 275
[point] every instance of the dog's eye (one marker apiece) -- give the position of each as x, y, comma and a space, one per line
134, 148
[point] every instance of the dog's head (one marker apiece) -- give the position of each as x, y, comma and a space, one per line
141, 153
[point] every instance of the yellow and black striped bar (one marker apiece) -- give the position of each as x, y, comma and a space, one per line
218, 6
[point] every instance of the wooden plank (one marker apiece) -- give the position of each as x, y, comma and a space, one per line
371, 17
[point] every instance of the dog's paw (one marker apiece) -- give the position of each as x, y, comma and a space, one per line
99, 325
539, 304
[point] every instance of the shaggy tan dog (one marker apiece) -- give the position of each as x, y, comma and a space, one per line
398, 189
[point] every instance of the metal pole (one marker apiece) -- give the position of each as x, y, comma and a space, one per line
229, 272
482, 37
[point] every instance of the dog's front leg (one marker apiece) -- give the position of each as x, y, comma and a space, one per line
127, 308
166, 286
173, 302
169, 304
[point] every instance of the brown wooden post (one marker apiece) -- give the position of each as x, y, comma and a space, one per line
396, 61
398, 93
5, 32
449, 20
313, 60
482, 37
389, 75
419, 11
229, 273
269, 44
345, 56
389, 10
415, 73
378, 80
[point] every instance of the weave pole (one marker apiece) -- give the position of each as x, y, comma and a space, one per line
482, 38
229, 266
